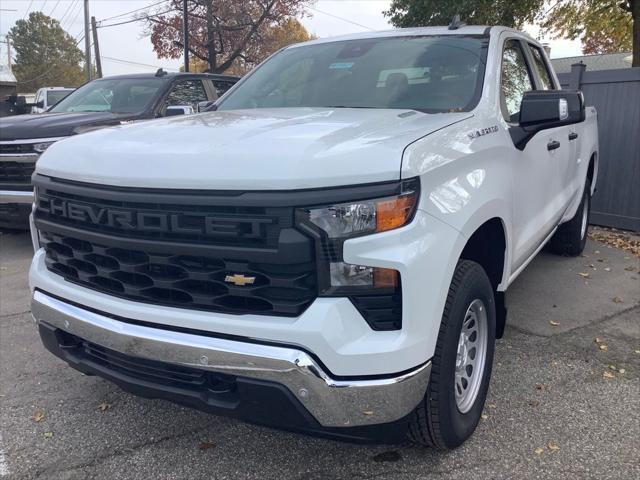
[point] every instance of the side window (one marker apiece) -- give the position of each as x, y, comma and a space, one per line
222, 86
515, 80
541, 67
187, 92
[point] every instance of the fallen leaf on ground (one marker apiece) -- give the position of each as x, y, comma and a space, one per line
617, 300
491, 405
603, 347
47, 434
553, 446
484, 416
584, 274
607, 374
621, 370
206, 445
598, 340
629, 269
534, 403
367, 412
612, 367
38, 415
539, 451
554, 323
637, 351
607, 269
542, 386
104, 406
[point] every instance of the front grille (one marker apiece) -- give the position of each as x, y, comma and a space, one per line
16, 172
16, 148
188, 281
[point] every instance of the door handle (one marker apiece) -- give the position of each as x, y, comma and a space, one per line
573, 136
553, 145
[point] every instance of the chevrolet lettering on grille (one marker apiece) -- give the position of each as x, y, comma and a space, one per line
160, 222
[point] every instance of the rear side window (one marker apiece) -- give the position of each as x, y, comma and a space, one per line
222, 86
541, 67
187, 92
515, 80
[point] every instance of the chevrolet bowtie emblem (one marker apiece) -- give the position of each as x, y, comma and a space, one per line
239, 280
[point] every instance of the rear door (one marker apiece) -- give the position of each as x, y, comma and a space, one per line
538, 188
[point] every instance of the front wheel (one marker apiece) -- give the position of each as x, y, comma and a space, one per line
461, 365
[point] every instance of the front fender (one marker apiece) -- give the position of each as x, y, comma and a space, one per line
466, 180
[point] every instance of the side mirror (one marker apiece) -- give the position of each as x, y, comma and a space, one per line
40, 104
545, 109
174, 110
205, 106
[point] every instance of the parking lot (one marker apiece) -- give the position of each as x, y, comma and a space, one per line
564, 399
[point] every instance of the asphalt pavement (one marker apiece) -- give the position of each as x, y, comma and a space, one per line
564, 399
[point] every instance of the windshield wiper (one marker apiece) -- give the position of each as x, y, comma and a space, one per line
345, 106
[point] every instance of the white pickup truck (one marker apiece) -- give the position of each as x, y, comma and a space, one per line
328, 251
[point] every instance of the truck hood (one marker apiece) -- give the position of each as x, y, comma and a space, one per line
259, 149
50, 125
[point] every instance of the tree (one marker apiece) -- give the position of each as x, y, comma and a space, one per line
46, 55
602, 25
510, 13
222, 33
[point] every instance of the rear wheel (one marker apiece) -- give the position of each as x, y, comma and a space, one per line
571, 237
461, 366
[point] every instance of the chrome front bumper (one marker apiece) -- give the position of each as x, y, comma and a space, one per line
333, 403
12, 196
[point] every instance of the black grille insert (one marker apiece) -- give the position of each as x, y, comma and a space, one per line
176, 280
16, 172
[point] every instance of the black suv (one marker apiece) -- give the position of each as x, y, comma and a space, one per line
101, 103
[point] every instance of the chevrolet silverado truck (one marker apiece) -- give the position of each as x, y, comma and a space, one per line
98, 104
327, 251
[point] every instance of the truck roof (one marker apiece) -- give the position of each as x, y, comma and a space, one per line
417, 31
212, 76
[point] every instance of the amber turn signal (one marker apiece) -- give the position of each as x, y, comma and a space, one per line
394, 213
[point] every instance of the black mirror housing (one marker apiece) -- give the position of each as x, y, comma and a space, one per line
545, 109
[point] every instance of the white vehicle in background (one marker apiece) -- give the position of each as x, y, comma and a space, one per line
329, 250
48, 96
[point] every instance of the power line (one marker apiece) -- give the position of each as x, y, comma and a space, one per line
54, 8
341, 18
138, 19
70, 24
67, 11
28, 8
132, 11
120, 60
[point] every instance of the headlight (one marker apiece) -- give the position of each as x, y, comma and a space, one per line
347, 220
332, 225
41, 147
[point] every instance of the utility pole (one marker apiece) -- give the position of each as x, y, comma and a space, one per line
185, 34
96, 46
87, 41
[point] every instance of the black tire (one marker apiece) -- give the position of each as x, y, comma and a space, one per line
570, 239
437, 421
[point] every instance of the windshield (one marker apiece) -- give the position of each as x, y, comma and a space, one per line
121, 95
427, 73
54, 96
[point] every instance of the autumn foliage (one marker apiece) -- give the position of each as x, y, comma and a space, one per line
228, 35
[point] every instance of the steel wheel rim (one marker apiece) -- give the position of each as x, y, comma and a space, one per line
585, 220
471, 356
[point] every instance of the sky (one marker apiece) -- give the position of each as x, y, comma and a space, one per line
125, 49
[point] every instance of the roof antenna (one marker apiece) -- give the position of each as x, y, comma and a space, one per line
456, 23
160, 73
